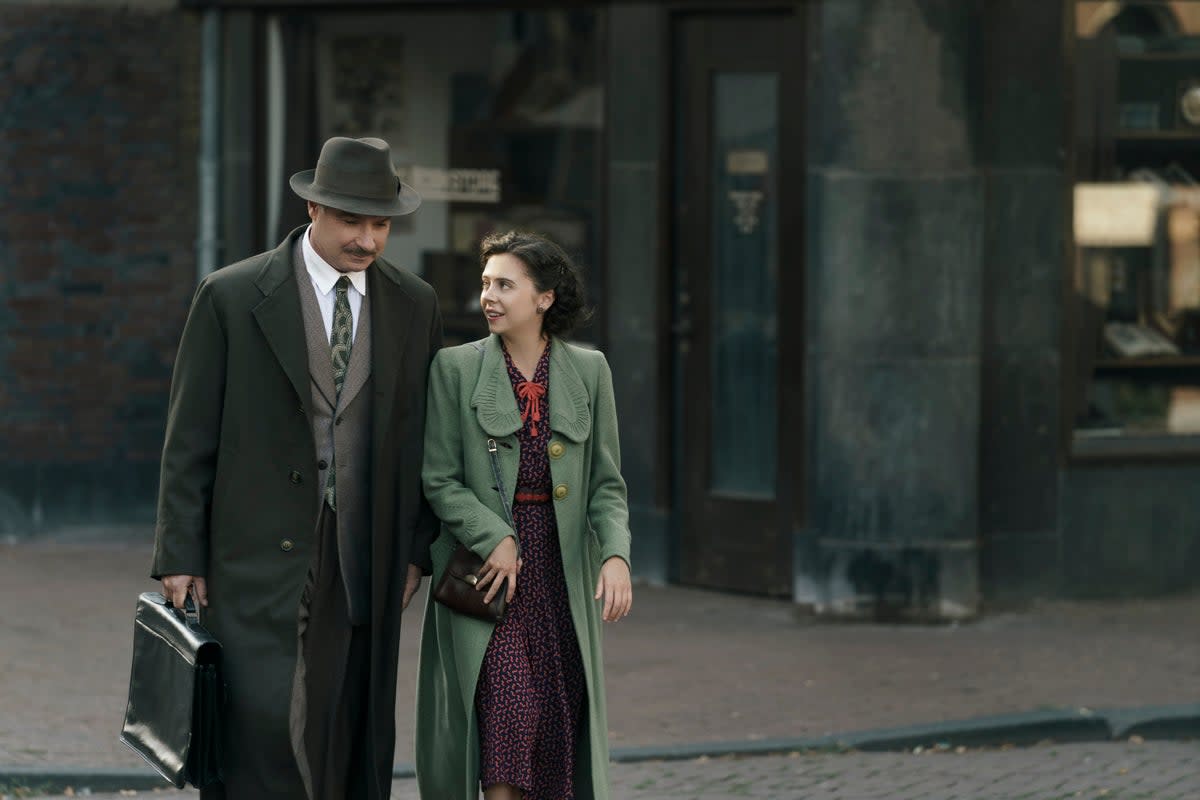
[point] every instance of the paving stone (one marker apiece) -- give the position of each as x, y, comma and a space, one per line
763, 671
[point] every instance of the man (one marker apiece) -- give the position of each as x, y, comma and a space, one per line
290, 502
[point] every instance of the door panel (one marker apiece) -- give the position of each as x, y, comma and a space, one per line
739, 323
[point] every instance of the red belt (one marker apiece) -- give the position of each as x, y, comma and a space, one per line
532, 497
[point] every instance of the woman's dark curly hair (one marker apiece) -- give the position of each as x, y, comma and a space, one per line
549, 267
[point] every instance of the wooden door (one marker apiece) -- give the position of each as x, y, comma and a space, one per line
739, 322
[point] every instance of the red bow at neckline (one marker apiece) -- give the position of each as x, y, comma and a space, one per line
532, 394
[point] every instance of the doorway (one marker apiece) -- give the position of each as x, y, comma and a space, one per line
739, 297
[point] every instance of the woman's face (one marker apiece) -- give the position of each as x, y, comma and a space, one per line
510, 299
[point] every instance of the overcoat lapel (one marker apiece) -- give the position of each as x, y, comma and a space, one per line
493, 399
278, 316
392, 313
570, 413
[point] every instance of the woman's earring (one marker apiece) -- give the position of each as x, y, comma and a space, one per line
541, 310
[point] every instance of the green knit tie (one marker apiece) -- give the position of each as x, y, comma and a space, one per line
341, 339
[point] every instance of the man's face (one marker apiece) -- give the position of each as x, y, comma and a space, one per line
349, 242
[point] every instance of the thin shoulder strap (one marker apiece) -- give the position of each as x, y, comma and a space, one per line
491, 446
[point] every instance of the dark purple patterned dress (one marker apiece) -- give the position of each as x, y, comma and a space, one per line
531, 686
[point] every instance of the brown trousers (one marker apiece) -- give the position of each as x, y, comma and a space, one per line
329, 695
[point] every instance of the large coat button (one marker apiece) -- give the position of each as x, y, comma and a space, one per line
294, 477
286, 545
560, 492
556, 450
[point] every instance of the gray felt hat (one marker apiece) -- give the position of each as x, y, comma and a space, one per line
357, 175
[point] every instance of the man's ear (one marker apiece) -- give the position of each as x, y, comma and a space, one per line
313, 210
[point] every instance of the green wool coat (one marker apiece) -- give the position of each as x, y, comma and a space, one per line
471, 400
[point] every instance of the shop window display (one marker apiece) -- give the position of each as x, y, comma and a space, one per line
1135, 288
496, 117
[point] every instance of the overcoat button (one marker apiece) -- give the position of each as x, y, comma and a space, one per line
560, 492
294, 477
557, 450
322, 464
286, 545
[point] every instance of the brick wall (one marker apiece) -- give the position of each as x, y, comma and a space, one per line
98, 141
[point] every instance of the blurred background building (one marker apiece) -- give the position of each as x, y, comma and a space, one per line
902, 297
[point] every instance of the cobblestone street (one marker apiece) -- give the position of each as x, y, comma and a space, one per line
1118, 771
764, 672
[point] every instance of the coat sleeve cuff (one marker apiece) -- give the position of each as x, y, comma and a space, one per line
615, 544
176, 553
422, 562
484, 546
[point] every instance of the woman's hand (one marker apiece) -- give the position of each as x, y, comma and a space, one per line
500, 566
616, 589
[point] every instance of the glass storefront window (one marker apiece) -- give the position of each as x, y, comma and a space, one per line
1135, 299
495, 117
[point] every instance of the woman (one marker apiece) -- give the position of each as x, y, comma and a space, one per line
518, 707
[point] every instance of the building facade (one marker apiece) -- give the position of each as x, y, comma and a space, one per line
845, 256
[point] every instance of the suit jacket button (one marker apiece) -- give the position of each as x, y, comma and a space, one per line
556, 450
294, 477
322, 464
560, 492
286, 545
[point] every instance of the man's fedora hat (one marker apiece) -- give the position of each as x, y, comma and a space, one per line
357, 175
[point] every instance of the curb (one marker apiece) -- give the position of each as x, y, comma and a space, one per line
1023, 729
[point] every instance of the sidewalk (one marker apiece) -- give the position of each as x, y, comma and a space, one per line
686, 667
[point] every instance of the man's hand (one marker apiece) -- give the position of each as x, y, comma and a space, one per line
616, 588
411, 584
175, 589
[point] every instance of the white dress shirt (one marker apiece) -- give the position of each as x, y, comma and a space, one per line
323, 278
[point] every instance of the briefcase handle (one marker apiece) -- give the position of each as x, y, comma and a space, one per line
190, 613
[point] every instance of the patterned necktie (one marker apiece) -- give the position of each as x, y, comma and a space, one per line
341, 337
340, 341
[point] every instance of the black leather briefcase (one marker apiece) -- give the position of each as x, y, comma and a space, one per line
176, 694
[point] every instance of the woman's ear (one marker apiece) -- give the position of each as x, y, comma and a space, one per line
546, 300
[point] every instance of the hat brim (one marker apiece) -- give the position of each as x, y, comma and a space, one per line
407, 199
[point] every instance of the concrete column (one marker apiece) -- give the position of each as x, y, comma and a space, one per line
895, 221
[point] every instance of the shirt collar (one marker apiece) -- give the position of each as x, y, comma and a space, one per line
323, 275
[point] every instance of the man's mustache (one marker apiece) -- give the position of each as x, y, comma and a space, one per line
358, 251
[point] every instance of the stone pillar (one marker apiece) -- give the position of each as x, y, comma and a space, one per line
895, 222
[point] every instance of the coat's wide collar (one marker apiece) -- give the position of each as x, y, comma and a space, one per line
496, 406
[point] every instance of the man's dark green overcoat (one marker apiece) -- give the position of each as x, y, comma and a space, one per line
238, 503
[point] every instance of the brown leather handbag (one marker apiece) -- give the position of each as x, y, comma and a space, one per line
457, 588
